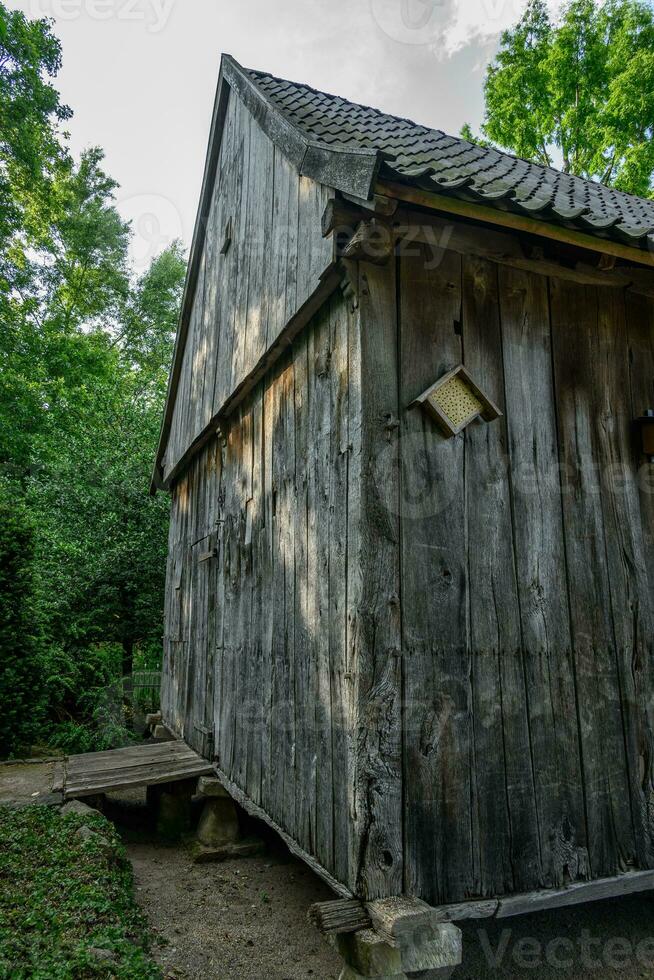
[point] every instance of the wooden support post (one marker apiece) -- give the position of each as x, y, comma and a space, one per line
372, 242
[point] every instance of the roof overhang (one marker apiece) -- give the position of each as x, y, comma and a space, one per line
462, 208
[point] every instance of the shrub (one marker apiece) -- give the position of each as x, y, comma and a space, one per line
20, 675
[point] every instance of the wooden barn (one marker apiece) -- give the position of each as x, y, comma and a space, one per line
409, 611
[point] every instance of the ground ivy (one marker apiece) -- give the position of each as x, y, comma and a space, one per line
63, 899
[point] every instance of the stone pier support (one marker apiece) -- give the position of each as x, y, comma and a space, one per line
219, 833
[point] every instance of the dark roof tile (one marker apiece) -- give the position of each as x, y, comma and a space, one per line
445, 162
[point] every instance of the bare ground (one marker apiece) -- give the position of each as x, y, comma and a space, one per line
234, 920
230, 921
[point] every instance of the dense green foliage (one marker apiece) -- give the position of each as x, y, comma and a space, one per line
578, 93
85, 348
63, 899
30, 111
20, 690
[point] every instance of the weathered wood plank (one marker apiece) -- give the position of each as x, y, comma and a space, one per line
234, 169
339, 451
255, 542
630, 588
267, 740
245, 298
304, 667
282, 725
286, 539
354, 587
242, 479
440, 828
142, 765
283, 281
340, 916
378, 656
574, 312
542, 577
318, 551
578, 893
153, 778
504, 780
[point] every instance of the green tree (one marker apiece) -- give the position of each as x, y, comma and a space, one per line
20, 677
103, 541
579, 92
84, 357
74, 290
31, 147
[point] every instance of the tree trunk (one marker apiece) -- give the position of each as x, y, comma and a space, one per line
128, 657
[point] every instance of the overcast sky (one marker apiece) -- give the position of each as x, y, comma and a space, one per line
140, 76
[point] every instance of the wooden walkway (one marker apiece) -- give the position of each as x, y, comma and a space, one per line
139, 765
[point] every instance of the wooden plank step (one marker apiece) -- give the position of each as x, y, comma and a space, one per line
176, 769
94, 773
155, 751
154, 779
107, 765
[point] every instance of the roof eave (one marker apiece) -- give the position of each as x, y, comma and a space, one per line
463, 206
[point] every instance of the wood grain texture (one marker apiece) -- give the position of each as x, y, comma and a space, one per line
504, 782
431, 658
377, 654
574, 314
549, 673
244, 298
270, 605
441, 836
94, 773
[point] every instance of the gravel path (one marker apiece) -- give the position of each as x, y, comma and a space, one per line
231, 921
246, 920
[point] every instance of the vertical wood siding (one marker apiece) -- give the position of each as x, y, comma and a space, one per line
247, 296
259, 639
527, 596
429, 660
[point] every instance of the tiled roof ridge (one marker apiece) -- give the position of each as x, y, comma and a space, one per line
555, 171
415, 152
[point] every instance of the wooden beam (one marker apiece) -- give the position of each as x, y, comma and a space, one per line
400, 916
505, 249
578, 893
341, 916
372, 242
340, 217
517, 222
